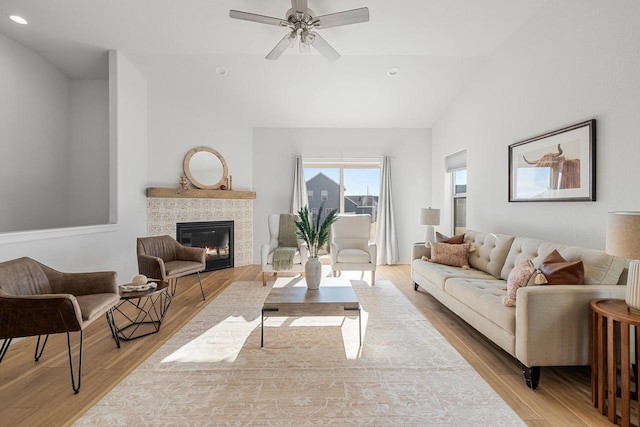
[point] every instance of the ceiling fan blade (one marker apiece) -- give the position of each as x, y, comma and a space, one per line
347, 17
279, 48
324, 48
246, 16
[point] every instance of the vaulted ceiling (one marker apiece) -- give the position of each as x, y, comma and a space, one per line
436, 45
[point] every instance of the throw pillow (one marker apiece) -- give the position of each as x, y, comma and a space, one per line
453, 240
448, 254
524, 274
559, 271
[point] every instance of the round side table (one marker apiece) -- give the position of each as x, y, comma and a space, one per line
612, 323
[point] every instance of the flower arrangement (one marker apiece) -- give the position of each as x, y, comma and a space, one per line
314, 233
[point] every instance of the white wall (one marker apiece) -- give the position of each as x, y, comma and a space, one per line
34, 140
273, 159
107, 247
54, 141
89, 153
573, 61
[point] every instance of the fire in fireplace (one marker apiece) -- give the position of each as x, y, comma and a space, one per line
215, 236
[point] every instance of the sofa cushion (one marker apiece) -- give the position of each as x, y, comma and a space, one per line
559, 271
448, 254
485, 298
600, 268
438, 274
491, 251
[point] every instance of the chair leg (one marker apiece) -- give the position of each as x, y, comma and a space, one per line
334, 273
264, 279
174, 284
5, 346
76, 387
39, 351
373, 278
201, 290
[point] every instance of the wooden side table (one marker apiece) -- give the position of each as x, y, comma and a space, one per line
611, 326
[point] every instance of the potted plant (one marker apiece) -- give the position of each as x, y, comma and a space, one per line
315, 234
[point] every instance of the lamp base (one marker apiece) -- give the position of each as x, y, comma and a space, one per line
633, 287
431, 234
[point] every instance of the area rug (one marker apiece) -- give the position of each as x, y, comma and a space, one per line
311, 371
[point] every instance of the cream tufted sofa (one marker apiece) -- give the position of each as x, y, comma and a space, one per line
550, 325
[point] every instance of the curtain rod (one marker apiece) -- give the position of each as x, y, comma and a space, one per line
341, 158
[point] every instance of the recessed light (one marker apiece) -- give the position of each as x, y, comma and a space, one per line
220, 71
393, 71
18, 19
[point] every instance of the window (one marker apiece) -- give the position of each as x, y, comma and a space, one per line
310, 195
456, 166
459, 191
348, 187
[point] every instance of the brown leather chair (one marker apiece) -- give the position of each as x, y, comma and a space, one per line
163, 258
38, 300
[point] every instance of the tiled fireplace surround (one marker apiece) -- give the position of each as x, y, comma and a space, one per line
164, 213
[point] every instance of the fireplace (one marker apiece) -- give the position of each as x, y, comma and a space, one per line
215, 236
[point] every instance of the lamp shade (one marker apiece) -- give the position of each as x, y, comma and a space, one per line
623, 234
429, 216
623, 240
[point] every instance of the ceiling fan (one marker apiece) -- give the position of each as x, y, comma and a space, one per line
302, 22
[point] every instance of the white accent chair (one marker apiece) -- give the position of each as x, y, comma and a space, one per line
350, 246
266, 252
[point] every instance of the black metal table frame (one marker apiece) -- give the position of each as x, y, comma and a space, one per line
150, 309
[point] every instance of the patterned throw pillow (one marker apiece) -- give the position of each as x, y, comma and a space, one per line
559, 271
448, 254
524, 274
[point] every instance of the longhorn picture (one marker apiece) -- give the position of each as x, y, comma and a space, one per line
563, 172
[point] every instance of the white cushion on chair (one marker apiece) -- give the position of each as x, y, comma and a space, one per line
353, 256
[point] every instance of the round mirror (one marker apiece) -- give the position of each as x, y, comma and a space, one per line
205, 168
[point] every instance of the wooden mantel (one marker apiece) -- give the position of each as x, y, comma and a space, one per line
199, 194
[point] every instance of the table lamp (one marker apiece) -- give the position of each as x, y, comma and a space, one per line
623, 240
430, 217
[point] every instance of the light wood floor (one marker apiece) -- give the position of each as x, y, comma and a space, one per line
40, 394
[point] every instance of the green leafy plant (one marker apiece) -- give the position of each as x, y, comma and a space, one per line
314, 233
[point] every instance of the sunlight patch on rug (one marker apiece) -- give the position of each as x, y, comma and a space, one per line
311, 370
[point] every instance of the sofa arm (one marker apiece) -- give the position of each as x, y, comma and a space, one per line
100, 282
419, 250
553, 323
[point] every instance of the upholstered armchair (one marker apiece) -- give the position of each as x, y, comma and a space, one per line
38, 300
163, 258
350, 247
267, 251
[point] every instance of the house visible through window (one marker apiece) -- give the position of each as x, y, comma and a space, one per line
348, 187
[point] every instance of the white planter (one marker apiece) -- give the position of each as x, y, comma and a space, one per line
313, 273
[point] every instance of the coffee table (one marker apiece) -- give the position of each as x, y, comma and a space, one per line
139, 313
290, 297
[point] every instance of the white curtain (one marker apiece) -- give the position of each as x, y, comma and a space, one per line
386, 238
300, 198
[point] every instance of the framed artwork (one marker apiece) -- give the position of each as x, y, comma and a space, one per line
556, 166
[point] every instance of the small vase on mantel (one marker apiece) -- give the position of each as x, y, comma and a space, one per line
313, 272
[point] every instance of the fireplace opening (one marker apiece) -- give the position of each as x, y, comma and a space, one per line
215, 236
